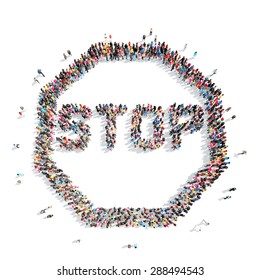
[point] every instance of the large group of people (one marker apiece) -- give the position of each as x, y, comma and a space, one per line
111, 111
130, 217
80, 128
192, 125
158, 128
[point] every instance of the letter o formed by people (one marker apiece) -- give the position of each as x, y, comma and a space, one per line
162, 216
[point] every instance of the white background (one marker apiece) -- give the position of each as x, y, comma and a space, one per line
34, 35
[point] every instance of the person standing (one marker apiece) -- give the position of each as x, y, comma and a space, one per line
151, 31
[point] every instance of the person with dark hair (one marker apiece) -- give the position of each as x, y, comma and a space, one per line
49, 216
40, 72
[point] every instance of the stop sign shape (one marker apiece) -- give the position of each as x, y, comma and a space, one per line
130, 216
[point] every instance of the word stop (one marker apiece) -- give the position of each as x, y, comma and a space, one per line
111, 112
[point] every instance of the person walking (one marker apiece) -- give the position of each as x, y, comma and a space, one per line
35, 80
40, 72
227, 197
214, 72
69, 52
232, 189
242, 153
228, 109
184, 48
49, 216
151, 31
44, 210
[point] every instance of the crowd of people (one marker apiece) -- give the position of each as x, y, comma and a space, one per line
158, 127
130, 217
81, 128
192, 125
111, 112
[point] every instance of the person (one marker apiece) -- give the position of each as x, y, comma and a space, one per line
40, 72
151, 31
227, 197
64, 55
110, 37
105, 36
204, 222
242, 153
16, 146
144, 36
135, 246
76, 241
228, 109
19, 181
214, 72
195, 54
233, 117
44, 210
35, 80
232, 189
184, 48
19, 174
22, 108
49, 216
21, 114
69, 52
129, 246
